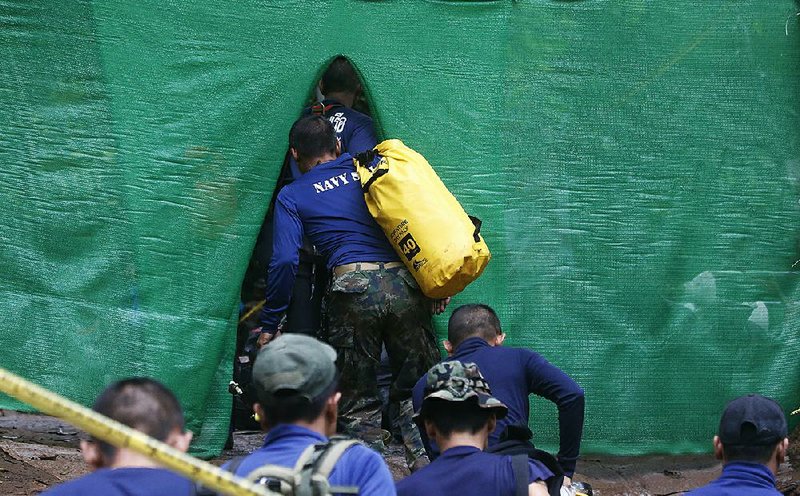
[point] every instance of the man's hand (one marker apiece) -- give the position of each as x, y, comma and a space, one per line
265, 337
438, 306
567, 481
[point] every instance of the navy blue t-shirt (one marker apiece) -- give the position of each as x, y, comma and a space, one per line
513, 374
354, 130
359, 466
468, 471
126, 482
327, 205
738, 478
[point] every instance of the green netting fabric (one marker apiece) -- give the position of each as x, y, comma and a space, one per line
635, 163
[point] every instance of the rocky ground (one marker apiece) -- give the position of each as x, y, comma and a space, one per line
37, 451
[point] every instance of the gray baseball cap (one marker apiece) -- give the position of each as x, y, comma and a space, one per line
294, 364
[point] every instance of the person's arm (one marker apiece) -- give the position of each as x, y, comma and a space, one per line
537, 475
548, 381
417, 395
286, 242
538, 488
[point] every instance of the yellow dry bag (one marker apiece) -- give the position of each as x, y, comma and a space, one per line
439, 243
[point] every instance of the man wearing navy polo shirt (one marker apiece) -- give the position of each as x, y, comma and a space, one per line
373, 299
355, 132
341, 87
459, 412
474, 335
752, 443
147, 406
295, 380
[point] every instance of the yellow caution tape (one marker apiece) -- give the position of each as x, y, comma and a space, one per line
122, 436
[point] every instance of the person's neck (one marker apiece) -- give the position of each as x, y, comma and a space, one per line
346, 99
328, 157
772, 464
474, 341
319, 425
478, 440
126, 458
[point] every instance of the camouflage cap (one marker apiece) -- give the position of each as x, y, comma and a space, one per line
458, 381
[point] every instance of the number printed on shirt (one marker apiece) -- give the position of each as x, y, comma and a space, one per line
338, 120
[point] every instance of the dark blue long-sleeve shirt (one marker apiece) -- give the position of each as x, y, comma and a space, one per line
354, 130
514, 373
327, 205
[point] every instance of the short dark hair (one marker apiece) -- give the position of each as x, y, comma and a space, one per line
312, 136
340, 77
475, 319
455, 416
291, 407
748, 452
140, 403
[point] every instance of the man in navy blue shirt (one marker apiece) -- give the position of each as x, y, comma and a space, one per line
752, 443
372, 299
459, 412
341, 87
474, 335
295, 380
147, 406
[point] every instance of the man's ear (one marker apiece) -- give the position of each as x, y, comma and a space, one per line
331, 413
719, 454
492, 423
430, 430
91, 454
780, 450
499, 339
321, 87
338, 147
294, 153
333, 402
448, 347
180, 440
259, 415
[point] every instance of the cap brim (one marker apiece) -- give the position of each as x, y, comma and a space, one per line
485, 401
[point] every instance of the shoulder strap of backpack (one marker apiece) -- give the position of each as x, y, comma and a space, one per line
235, 464
519, 465
331, 455
314, 474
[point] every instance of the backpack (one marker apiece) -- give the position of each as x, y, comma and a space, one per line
309, 476
439, 243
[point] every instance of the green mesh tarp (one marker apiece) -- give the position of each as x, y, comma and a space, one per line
636, 165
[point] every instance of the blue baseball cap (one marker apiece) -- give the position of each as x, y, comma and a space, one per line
752, 420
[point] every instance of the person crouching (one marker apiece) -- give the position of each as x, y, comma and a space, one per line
458, 413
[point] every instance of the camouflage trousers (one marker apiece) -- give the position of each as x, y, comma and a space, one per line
368, 308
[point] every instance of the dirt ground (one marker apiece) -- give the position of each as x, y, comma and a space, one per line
37, 451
